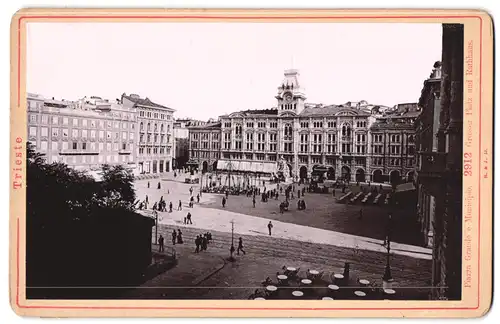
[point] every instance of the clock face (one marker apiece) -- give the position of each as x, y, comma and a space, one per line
288, 97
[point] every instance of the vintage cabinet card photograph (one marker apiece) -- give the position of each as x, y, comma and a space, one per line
251, 163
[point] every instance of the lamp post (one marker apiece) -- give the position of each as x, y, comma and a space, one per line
156, 227
231, 258
387, 278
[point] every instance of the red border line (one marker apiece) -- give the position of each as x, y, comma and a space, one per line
251, 18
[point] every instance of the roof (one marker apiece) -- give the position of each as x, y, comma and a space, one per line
383, 125
408, 114
208, 125
145, 102
405, 187
331, 111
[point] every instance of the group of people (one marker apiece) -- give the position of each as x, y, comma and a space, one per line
160, 205
157, 187
176, 239
201, 241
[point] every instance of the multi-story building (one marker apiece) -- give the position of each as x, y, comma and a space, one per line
181, 140
83, 134
155, 145
439, 164
204, 146
304, 135
393, 145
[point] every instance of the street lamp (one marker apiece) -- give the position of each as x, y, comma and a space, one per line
387, 278
231, 258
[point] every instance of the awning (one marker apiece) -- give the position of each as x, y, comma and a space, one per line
405, 187
247, 166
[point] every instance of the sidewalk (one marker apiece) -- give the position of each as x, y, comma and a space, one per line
220, 220
191, 270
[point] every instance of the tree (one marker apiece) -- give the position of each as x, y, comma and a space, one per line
73, 226
117, 187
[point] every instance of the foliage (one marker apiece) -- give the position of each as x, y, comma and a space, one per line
80, 231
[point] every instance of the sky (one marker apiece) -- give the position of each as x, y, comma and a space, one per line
204, 70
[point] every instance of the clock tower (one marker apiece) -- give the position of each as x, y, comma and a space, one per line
291, 95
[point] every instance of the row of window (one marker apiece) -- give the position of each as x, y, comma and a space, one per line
77, 133
149, 114
205, 145
153, 150
240, 156
80, 122
392, 162
154, 139
205, 155
84, 146
155, 127
84, 159
205, 136
251, 125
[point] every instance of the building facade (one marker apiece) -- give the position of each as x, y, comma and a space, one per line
155, 123
83, 134
205, 146
393, 151
439, 168
181, 140
308, 136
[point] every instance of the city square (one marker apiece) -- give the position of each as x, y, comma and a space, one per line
283, 197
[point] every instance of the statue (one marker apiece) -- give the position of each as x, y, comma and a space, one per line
283, 171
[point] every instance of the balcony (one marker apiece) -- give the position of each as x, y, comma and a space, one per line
432, 166
79, 152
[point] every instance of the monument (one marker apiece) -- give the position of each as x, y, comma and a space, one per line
283, 171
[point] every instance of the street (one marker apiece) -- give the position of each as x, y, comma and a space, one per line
410, 265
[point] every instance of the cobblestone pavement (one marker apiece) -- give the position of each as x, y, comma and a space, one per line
266, 255
325, 213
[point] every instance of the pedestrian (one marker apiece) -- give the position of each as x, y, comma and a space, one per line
161, 244
148, 184
170, 206
159, 185
223, 202
197, 242
189, 218
180, 205
253, 201
204, 242
147, 199
240, 247
227, 194
179, 236
191, 202
360, 214
198, 198
174, 237
155, 206
269, 227
191, 191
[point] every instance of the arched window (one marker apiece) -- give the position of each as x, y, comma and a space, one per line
141, 126
238, 129
149, 126
156, 127
288, 130
161, 127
